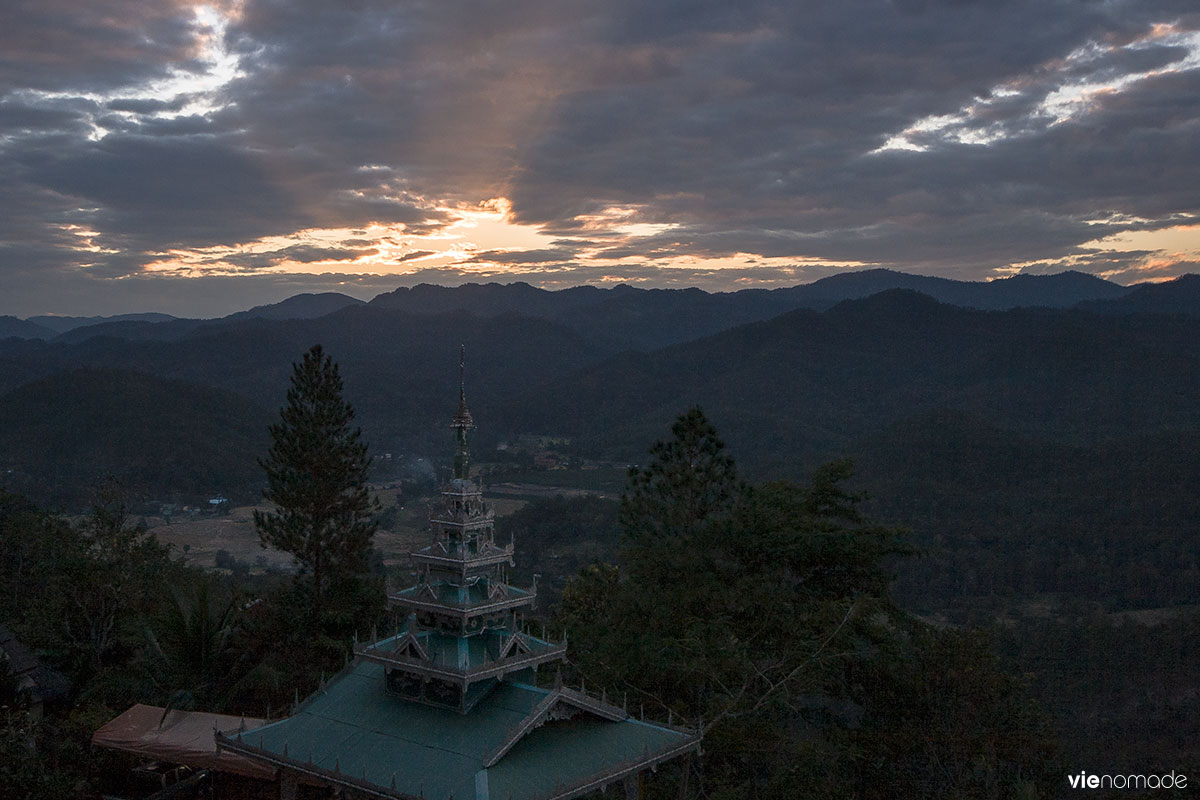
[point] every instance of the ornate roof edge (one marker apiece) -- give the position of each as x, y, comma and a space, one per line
605, 778
497, 668
560, 695
238, 744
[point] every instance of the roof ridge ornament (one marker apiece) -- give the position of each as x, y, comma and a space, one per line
463, 421
462, 417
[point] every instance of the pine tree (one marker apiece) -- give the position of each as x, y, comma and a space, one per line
673, 509
317, 479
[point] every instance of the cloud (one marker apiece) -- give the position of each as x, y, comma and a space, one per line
299, 254
543, 256
685, 139
415, 254
63, 45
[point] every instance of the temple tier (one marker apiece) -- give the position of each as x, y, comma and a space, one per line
464, 631
450, 707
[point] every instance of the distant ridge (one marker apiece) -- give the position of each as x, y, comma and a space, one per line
1178, 296
804, 383
489, 299
1061, 290
160, 327
799, 385
398, 366
133, 330
300, 306
23, 329
64, 324
644, 319
627, 317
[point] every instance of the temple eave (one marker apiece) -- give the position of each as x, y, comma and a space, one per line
464, 675
464, 611
620, 772
464, 560
241, 747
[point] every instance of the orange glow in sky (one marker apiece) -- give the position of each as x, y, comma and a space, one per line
486, 229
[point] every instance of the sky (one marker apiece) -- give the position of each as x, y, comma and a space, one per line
201, 158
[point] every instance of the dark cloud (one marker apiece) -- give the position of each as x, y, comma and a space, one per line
751, 128
188, 191
18, 118
301, 254
415, 254
306, 254
784, 147
147, 105
541, 256
65, 45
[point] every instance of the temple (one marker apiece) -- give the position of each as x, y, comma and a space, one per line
450, 707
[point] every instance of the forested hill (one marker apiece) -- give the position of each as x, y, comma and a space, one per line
161, 327
56, 324
23, 329
785, 392
630, 317
1179, 296
1003, 519
804, 384
400, 370
1062, 290
645, 319
1010, 441
65, 434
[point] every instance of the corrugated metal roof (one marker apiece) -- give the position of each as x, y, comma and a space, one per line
354, 727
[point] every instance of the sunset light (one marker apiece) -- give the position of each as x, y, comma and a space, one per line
246, 142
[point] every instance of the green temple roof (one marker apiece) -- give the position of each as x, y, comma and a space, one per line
516, 743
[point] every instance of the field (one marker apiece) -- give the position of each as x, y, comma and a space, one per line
231, 538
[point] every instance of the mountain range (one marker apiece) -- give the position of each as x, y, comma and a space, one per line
800, 385
786, 391
625, 317
164, 326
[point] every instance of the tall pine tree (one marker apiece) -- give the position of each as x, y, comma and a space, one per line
317, 480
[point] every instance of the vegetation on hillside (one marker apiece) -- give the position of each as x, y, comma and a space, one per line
1043, 461
164, 440
760, 616
103, 601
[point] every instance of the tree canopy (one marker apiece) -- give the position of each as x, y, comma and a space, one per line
324, 514
759, 614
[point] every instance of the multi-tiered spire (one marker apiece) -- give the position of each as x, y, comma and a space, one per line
449, 707
463, 421
463, 633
